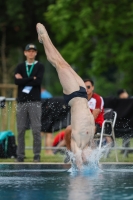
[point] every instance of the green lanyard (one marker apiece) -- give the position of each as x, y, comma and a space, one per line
31, 68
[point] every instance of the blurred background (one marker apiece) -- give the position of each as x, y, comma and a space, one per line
95, 38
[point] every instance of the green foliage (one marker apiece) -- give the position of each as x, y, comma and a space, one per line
18, 26
96, 37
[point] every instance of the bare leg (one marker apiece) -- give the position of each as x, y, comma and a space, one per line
67, 137
86, 153
69, 80
77, 153
81, 120
48, 143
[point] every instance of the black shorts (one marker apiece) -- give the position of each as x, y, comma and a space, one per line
80, 93
54, 115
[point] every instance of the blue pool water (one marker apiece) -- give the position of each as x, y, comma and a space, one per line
54, 182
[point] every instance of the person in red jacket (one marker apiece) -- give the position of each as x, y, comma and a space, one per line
96, 105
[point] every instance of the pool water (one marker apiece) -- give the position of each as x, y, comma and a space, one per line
54, 182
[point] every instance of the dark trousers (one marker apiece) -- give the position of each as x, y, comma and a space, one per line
33, 111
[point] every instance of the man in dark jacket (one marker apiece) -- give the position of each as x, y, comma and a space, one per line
28, 77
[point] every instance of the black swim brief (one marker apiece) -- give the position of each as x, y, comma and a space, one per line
80, 93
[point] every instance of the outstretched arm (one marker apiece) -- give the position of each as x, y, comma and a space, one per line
53, 56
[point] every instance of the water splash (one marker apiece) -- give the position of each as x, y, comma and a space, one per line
92, 165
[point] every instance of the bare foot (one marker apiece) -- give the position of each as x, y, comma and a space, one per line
41, 31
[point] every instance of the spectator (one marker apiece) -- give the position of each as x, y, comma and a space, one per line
59, 141
48, 141
54, 111
45, 94
123, 94
95, 103
48, 135
28, 77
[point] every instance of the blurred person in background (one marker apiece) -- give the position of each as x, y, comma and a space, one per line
96, 105
48, 135
45, 94
123, 94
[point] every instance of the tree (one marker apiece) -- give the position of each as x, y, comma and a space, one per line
96, 38
17, 28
